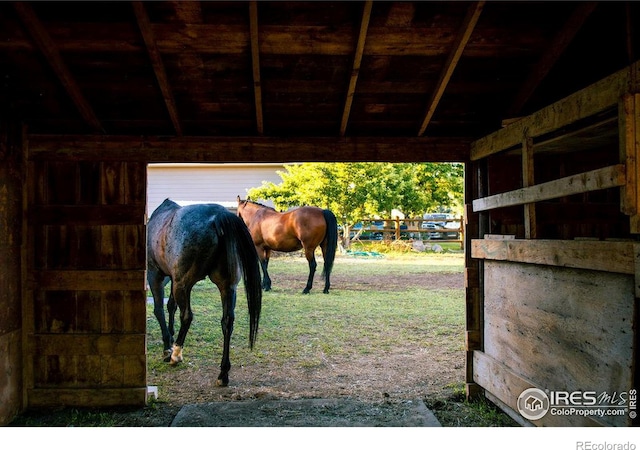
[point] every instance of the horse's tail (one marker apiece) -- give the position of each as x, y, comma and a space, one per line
241, 252
331, 239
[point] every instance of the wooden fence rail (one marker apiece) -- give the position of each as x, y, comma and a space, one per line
398, 228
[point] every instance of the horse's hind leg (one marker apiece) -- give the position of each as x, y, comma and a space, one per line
156, 284
311, 258
181, 293
327, 282
264, 262
228, 296
171, 309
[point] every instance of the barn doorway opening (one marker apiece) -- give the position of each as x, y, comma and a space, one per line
392, 331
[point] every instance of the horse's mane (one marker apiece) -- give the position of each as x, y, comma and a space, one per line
259, 204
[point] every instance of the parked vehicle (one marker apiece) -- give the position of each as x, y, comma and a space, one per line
440, 224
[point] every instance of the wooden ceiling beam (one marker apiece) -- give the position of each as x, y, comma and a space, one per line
156, 61
51, 53
557, 47
255, 62
355, 71
470, 21
256, 149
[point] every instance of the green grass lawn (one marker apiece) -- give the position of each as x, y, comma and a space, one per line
350, 321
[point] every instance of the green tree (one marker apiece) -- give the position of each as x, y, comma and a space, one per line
357, 190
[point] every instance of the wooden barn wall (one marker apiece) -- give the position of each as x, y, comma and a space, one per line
564, 329
85, 315
556, 293
11, 242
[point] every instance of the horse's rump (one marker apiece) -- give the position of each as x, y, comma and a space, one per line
188, 244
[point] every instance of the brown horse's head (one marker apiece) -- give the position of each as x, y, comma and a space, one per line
244, 211
241, 205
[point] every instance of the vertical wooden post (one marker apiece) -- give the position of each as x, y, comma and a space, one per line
397, 220
528, 179
629, 129
635, 382
11, 269
473, 280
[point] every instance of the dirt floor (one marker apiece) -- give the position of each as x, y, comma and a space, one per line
388, 380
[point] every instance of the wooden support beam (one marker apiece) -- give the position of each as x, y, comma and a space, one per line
594, 180
596, 98
470, 21
248, 149
528, 179
355, 71
255, 63
605, 256
158, 66
629, 141
551, 56
50, 51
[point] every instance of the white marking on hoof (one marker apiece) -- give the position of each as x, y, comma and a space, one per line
176, 355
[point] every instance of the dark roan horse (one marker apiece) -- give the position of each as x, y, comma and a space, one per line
305, 228
187, 244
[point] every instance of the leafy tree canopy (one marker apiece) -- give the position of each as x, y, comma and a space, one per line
360, 190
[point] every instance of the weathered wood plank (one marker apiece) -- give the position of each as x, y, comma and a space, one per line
606, 256
134, 396
10, 288
246, 149
528, 180
506, 385
112, 186
564, 329
135, 178
629, 142
88, 280
587, 102
89, 344
636, 254
10, 375
255, 65
90, 215
605, 178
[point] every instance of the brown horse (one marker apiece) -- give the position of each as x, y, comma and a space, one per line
187, 244
304, 228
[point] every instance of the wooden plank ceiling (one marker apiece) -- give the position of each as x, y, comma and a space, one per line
411, 73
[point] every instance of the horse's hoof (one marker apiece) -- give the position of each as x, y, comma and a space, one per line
176, 355
167, 355
306, 291
222, 383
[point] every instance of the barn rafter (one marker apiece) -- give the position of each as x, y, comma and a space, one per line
156, 61
289, 69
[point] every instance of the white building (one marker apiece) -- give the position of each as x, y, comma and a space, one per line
206, 183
